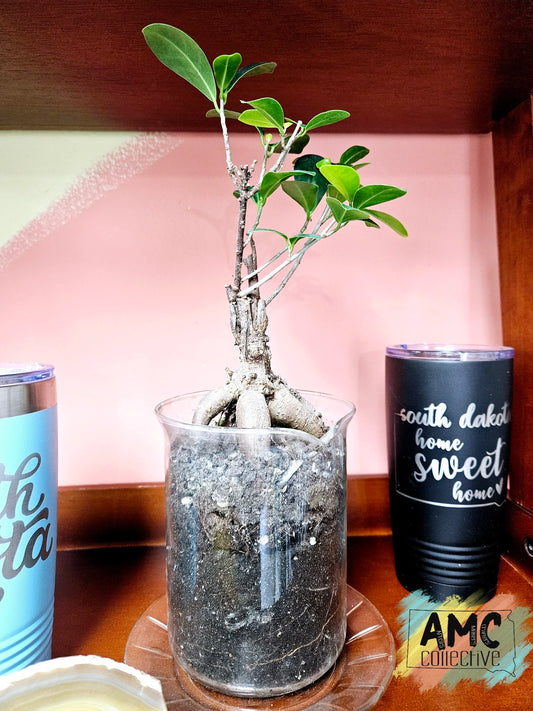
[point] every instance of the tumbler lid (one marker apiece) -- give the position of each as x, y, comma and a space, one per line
449, 352
15, 373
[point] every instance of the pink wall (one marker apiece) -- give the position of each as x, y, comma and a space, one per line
123, 291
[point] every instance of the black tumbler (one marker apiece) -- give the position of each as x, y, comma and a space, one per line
448, 428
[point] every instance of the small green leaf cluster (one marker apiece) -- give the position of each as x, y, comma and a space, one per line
349, 200
314, 178
180, 53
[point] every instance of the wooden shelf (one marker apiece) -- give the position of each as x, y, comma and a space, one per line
398, 67
101, 593
111, 568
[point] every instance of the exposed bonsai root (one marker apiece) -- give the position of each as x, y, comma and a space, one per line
290, 409
214, 403
253, 399
252, 410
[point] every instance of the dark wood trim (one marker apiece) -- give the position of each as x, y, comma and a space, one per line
415, 66
111, 515
520, 537
132, 515
513, 171
368, 506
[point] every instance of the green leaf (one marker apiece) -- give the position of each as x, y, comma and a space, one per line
180, 53
308, 163
343, 177
326, 118
252, 70
225, 68
293, 241
304, 194
343, 214
269, 229
334, 193
297, 146
215, 113
271, 182
251, 117
376, 194
353, 154
390, 221
271, 110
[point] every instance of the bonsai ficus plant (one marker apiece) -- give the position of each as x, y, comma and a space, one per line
329, 193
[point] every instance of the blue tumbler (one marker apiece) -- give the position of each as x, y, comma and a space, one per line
28, 513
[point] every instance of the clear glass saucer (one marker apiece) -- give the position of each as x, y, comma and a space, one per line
356, 682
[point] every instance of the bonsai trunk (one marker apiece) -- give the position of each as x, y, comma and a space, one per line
254, 396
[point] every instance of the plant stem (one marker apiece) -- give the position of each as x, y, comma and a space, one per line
282, 157
285, 279
266, 264
232, 171
295, 256
255, 225
241, 229
286, 149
